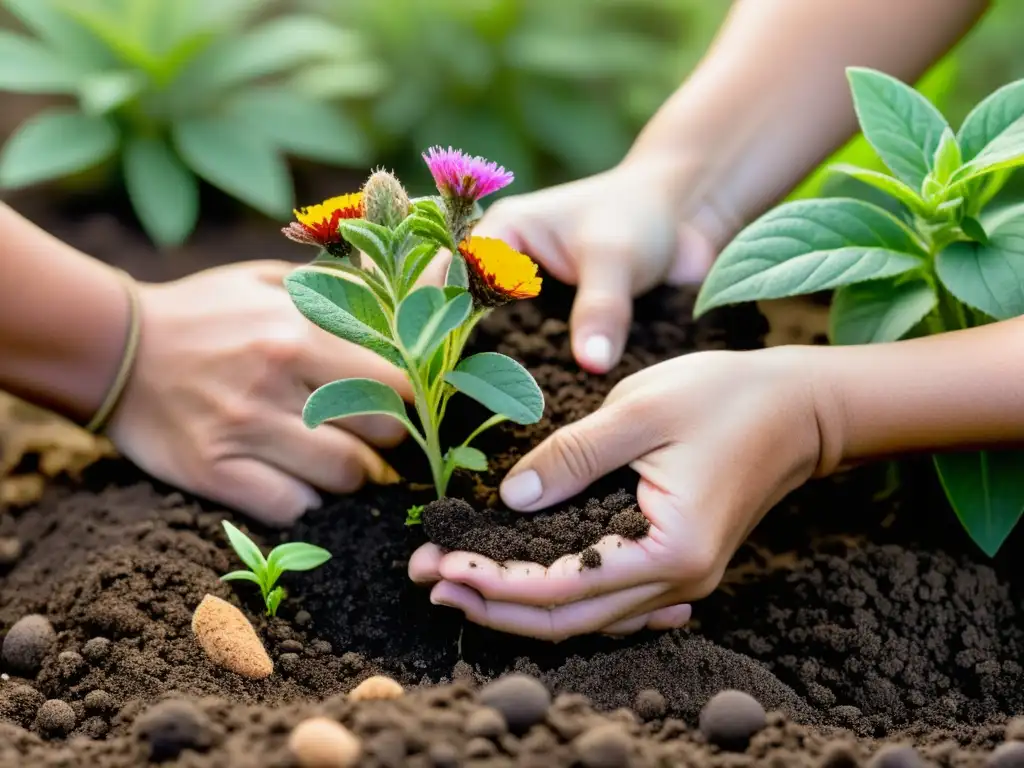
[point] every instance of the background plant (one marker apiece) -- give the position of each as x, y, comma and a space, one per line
363, 288
946, 261
291, 556
174, 91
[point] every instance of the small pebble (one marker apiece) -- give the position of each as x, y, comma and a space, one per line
173, 726
27, 644
96, 649
1009, 754
10, 551
323, 743
521, 699
321, 647
604, 746
98, 702
69, 664
55, 718
376, 688
290, 646
897, 757
288, 662
302, 618
730, 718
650, 704
487, 722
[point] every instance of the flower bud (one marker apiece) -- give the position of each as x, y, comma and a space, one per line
385, 199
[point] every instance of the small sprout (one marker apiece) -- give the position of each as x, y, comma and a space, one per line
291, 556
414, 515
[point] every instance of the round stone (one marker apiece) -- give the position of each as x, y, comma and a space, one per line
730, 718
27, 644
171, 727
650, 704
323, 743
1009, 754
486, 722
522, 700
98, 702
69, 664
377, 688
96, 649
604, 746
55, 718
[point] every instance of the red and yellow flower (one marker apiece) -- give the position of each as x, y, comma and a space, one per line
498, 273
318, 224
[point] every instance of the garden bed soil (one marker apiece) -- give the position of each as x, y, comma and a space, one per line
857, 618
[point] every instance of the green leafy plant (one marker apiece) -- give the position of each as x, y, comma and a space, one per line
173, 91
264, 572
944, 263
376, 245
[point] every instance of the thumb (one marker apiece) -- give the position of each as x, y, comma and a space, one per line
575, 456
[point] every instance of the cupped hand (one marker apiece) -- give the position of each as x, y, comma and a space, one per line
214, 404
717, 438
614, 235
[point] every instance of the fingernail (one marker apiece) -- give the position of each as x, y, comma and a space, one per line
522, 490
598, 351
435, 601
312, 500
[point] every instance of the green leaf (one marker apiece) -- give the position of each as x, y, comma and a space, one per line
878, 311
431, 208
989, 277
432, 230
468, 457
298, 556
60, 33
807, 246
1003, 153
273, 600
373, 240
901, 124
416, 261
991, 118
104, 92
947, 158
241, 576
426, 316
353, 397
301, 126
27, 66
500, 384
53, 143
457, 275
317, 298
986, 490
238, 162
888, 184
163, 192
974, 230
414, 515
246, 550
349, 295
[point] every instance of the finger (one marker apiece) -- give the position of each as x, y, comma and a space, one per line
425, 564
514, 222
577, 455
271, 272
545, 624
329, 358
694, 258
259, 490
669, 617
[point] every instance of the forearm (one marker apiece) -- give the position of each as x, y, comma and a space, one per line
63, 320
963, 389
770, 100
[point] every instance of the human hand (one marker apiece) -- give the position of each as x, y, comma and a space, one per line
214, 403
718, 438
614, 235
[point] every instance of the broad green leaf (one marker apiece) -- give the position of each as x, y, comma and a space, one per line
457, 274
246, 550
986, 490
27, 66
991, 118
468, 457
901, 124
241, 576
431, 230
104, 92
163, 192
372, 239
427, 316
878, 311
322, 310
54, 143
500, 384
349, 295
301, 126
974, 230
353, 397
431, 208
61, 33
274, 599
109, 25
298, 556
989, 277
416, 261
888, 184
807, 246
947, 157
238, 162
1004, 152
341, 81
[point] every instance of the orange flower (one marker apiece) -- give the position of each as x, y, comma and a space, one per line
498, 273
318, 224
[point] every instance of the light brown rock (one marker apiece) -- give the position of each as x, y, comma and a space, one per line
322, 743
229, 639
376, 688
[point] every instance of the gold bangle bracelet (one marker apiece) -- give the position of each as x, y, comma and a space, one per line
131, 348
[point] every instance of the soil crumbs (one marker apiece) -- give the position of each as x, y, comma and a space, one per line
854, 647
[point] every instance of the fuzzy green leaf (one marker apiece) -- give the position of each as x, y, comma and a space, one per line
348, 294
888, 184
500, 384
457, 275
246, 549
297, 556
947, 157
427, 316
807, 246
27, 66
163, 192
986, 489
416, 261
233, 159
468, 457
353, 397
878, 311
996, 115
432, 230
904, 127
372, 239
53, 143
242, 576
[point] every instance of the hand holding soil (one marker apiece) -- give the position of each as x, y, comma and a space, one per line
679, 424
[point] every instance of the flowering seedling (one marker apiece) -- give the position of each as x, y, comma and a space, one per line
292, 556
941, 263
376, 245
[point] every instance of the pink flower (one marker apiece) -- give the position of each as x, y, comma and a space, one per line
460, 176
